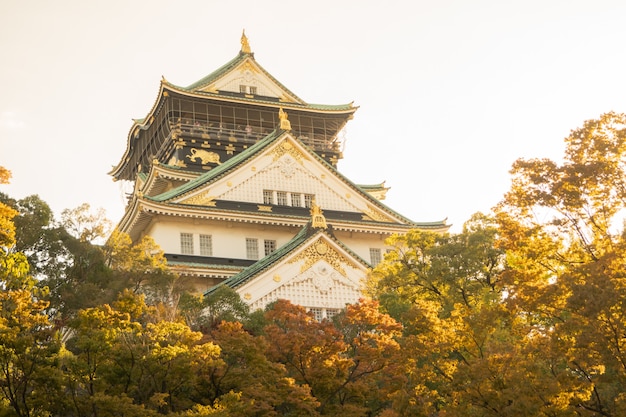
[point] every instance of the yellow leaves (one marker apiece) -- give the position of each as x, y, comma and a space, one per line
167, 333
7, 228
142, 257
206, 352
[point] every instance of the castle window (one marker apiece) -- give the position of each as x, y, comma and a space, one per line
287, 198
186, 243
206, 245
308, 200
281, 198
318, 313
242, 88
270, 246
375, 256
252, 248
252, 90
331, 312
296, 199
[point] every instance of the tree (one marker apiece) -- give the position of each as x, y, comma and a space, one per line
84, 225
560, 225
464, 268
349, 365
7, 227
74, 271
27, 345
206, 312
464, 351
263, 387
374, 371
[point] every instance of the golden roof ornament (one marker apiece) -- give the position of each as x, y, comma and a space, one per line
285, 124
318, 220
245, 46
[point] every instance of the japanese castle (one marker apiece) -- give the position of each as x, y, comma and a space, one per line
236, 179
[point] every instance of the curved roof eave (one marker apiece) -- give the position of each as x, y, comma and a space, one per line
345, 108
139, 124
232, 163
151, 207
306, 234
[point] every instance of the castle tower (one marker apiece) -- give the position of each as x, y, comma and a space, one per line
233, 176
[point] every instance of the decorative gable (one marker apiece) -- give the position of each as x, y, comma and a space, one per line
286, 168
244, 75
250, 79
318, 274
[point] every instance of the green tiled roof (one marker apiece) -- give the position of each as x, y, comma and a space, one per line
372, 186
257, 147
217, 73
202, 265
305, 234
224, 69
267, 261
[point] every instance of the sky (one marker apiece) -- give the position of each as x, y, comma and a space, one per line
450, 92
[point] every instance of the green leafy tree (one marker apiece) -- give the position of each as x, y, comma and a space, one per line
465, 352
41, 239
85, 225
27, 343
206, 312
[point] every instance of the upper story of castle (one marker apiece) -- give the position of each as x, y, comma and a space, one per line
224, 113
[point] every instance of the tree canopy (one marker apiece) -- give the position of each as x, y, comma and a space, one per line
522, 313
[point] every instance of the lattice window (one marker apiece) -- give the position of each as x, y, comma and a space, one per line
206, 245
242, 88
186, 243
253, 89
375, 256
308, 200
281, 198
296, 199
305, 293
318, 313
268, 197
252, 248
301, 182
331, 312
270, 246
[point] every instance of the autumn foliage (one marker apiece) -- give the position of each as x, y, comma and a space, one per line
521, 314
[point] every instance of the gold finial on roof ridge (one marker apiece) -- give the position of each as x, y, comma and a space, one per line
285, 124
318, 220
245, 46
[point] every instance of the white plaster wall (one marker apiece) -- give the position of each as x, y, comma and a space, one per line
360, 243
228, 242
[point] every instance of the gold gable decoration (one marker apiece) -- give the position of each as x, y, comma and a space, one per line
285, 124
318, 221
245, 46
320, 251
286, 148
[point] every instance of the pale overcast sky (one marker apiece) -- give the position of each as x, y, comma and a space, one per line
451, 92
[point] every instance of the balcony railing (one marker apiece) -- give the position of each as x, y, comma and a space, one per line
246, 134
